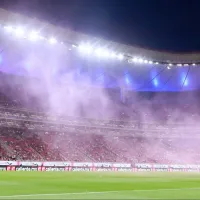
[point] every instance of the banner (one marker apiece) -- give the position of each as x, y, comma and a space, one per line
54, 169
3, 169
26, 168
124, 169
81, 169
98, 167
9, 163
64, 164
121, 165
144, 167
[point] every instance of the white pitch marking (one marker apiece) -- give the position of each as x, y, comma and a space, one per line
100, 192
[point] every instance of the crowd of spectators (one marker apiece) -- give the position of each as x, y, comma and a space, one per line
56, 146
154, 131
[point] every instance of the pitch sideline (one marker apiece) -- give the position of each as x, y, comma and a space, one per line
97, 192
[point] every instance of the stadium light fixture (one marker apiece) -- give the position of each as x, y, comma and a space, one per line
150, 62
52, 40
99, 52
42, 38
135, 59
106, 53
19, 32
120, 57
33, 36
9, 29
85, 48
113, 55
140, 60
103, 53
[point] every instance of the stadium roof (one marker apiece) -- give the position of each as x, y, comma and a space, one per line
72, 37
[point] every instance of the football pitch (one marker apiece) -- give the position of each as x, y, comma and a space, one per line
99, 185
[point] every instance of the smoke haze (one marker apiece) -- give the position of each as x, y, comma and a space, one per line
58, 82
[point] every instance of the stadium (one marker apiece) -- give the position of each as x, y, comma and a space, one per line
82, 117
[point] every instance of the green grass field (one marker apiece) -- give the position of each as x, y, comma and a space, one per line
94, 185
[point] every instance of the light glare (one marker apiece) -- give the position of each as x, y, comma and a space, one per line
99, 52
8, 28
120, 56
19, 32
135, 59
150, 62
113, 55
52, 41
105, 53
140, 60
33, 36
85, 48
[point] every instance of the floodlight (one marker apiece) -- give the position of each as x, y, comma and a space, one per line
145, 61
33, 36
42, 38
52, 40
85, 48
105, 53
140, 60
8, 28
19, 31
113, 55
88, 48
120, 57
150, 62
193, 64
99, 52
135, 59
157, 63
81, 47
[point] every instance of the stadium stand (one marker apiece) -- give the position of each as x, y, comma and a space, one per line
128, 123
27, 134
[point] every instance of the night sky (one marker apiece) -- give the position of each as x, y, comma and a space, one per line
170, 25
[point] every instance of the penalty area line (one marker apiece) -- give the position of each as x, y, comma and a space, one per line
96, 192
